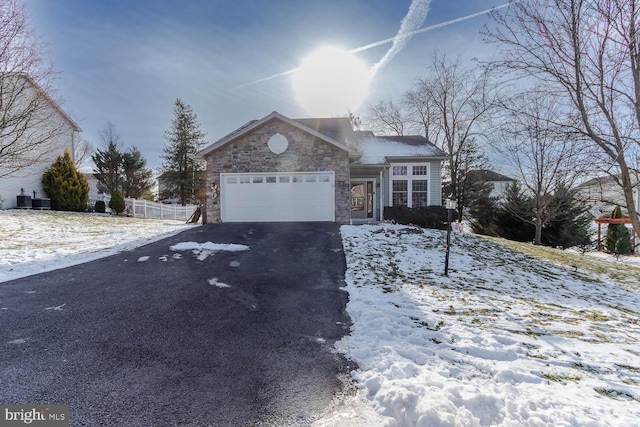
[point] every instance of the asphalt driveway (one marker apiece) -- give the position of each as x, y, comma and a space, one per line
160, 337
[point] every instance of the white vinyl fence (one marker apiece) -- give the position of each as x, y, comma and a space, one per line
152, 210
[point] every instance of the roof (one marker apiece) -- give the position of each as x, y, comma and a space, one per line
338, 128
488, 175
332, 127
53, 103
377, 150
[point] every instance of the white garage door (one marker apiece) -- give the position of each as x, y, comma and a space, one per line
271, 197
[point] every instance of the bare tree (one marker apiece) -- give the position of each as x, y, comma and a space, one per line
546, 157
588, 54
82, 153
386, 118
28, 116
454, 104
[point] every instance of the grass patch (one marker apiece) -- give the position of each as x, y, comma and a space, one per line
561, 378
619, 273
614, 394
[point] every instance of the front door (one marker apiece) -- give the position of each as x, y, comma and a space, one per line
361, 199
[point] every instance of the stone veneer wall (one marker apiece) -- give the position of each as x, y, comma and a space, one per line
305, 153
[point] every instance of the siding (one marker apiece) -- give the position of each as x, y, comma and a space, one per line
435, 196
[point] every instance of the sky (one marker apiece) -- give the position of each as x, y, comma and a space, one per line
126, 62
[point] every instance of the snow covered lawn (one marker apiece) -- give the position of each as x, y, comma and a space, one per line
37, 241
505, 340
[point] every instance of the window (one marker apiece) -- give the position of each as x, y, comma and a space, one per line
297, 178
419, 170
400, 193
399, 171
245, 180
257, 180
325, 178
409, 185
310, 178
271, 179
419, 193
232, 180
284, 179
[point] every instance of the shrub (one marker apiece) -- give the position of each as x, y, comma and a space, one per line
117, 202
618, 239
100, 206
426, 217
67, 189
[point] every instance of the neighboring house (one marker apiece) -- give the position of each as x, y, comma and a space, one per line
602, 194
94, 193
54, 126
500, 182
282, 169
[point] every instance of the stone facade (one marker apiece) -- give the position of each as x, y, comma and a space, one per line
305, 153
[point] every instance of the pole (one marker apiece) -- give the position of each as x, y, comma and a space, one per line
446, 258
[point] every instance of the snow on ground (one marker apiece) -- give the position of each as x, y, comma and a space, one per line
505, 340
33, 242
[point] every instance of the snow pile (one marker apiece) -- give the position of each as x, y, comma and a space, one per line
505, 340
33, 242
208, 246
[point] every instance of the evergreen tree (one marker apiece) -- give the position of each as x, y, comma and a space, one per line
108, 168
117, 202
183, 176
136, 178
618, 239
67, 189
482, 208
570, 223
514, 216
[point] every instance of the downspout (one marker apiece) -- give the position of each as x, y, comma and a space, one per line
381, 195
73, 145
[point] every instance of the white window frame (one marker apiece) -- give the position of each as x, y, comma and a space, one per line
409, 177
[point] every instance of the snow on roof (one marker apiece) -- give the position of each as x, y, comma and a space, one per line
377, 149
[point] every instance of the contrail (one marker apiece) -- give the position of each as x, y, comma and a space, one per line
414, 18
398, 37
429, 28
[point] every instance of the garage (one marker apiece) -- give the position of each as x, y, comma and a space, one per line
277, 197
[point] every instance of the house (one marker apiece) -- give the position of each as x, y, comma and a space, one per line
601, 194
282, 169
500, 182
48, 127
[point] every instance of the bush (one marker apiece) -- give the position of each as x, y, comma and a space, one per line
117, 202
618, 239
67, 189
426, 217
100, 206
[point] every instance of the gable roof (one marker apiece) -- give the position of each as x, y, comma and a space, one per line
377, 150
488, 175
51, 101
300, 124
